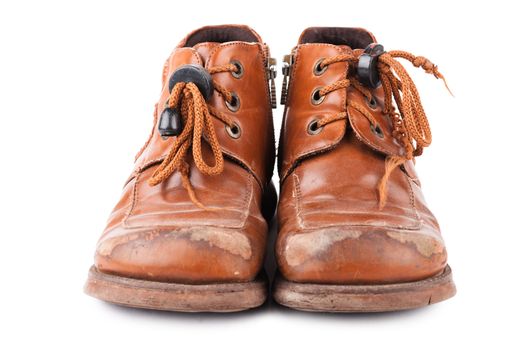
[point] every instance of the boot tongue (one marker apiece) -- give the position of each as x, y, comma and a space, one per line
205, 39
353, 38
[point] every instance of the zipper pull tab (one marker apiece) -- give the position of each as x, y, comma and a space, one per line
272, 73
287, 63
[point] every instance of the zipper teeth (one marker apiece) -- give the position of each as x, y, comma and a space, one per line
272, 72
287, 64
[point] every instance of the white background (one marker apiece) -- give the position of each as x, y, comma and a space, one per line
78, 82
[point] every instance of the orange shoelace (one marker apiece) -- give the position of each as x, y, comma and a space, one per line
410, 125
197, 120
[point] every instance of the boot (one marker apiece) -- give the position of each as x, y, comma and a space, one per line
189, 232
355, 234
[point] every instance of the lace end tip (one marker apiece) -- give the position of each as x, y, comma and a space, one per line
440, 76
448, 88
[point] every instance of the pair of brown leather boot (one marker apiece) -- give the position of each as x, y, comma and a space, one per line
354, 233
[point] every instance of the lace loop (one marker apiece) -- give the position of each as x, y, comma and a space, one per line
197, 117
410, 124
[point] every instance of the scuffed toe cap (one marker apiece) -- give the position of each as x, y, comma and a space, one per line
360, 255
183, 255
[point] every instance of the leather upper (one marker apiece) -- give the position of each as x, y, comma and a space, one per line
331, 229
157, 232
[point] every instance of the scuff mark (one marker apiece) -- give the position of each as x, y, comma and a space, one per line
233, 242
425, 244
305, 246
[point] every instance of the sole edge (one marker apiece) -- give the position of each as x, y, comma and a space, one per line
214, 297
364, 298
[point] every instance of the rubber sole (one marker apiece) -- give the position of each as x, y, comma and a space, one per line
216, 297
364, 298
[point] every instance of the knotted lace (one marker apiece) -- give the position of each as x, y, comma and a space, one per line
410, 125
197, 124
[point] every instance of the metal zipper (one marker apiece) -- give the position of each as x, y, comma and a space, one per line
271, 76
287, 65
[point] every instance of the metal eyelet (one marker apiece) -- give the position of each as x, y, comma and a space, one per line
313, 127
234, 131
316, 98
377, 130
318, 69
372, 103
239, 73
234, 105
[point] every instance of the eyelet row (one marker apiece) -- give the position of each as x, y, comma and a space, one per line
234, 104
375, 129
234, 131
317, 99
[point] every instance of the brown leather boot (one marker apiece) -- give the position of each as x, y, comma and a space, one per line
189, 232
355, 234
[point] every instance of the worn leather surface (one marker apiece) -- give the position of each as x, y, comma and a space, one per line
331, 229
158, 233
